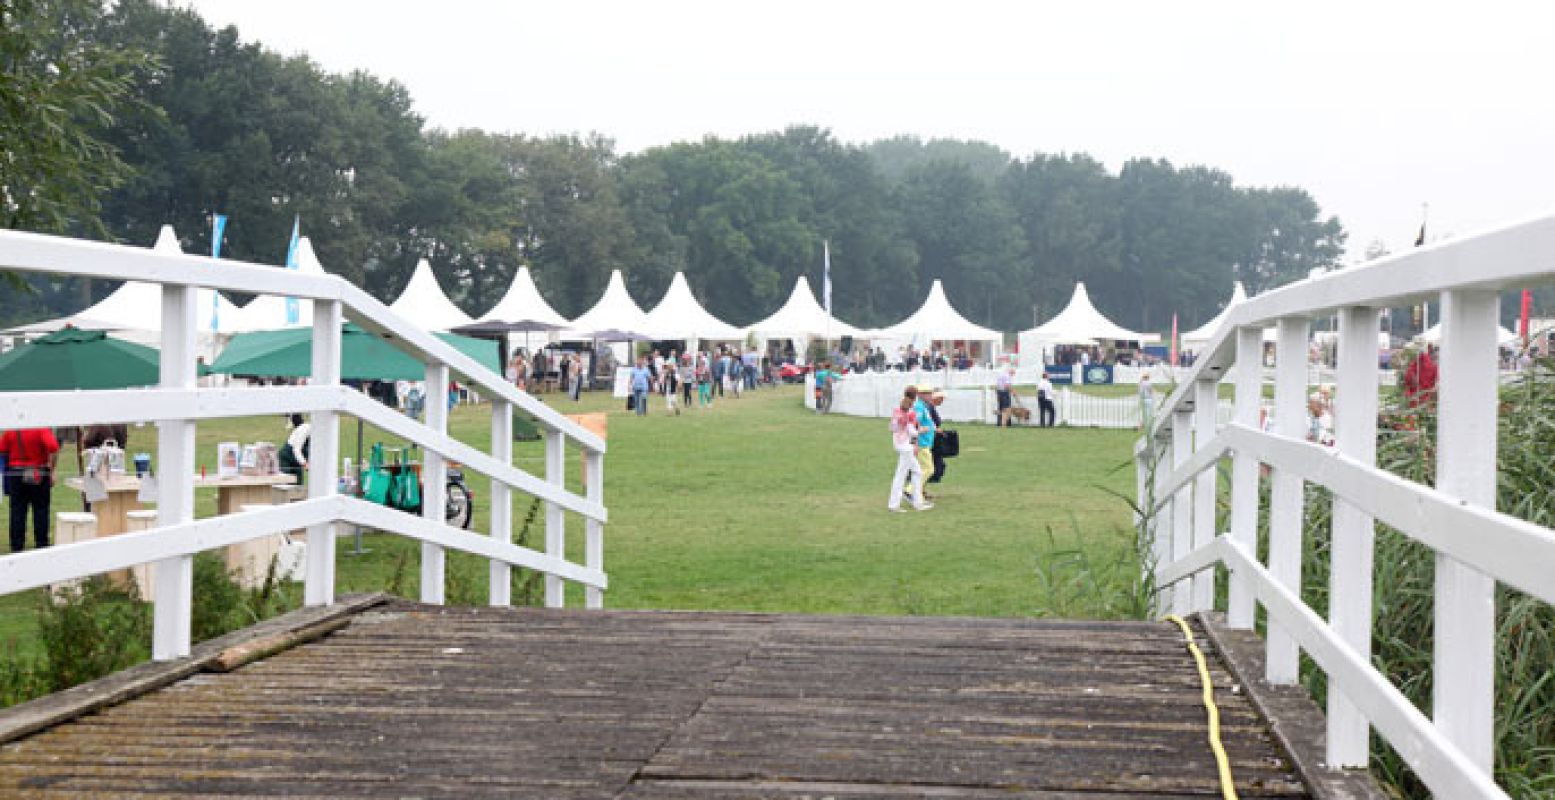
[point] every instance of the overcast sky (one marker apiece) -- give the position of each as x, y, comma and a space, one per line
1373, 107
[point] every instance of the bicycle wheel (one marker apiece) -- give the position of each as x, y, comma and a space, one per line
459, 509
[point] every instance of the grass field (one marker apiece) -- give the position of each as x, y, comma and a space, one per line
757, 504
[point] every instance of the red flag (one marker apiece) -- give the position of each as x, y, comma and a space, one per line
1522, 322
1174, 340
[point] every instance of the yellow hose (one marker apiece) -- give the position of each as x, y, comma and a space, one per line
1227, 788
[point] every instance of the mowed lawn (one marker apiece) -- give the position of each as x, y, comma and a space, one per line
758, 504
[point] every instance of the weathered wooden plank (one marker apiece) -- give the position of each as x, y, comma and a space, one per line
418, 701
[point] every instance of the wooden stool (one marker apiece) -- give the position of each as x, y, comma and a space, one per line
71, 527
142, 574
249, 562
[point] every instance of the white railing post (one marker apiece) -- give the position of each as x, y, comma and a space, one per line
1182, 508
323, 455
1352, 548
1161, 520
555, 521
594, 530
1463, 686
501, 593
1206, 400
174, 580
1244, 472
434, 479
1287, 489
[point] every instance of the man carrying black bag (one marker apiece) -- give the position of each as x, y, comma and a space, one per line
946, 443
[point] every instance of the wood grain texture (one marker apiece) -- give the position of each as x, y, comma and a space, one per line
479, 702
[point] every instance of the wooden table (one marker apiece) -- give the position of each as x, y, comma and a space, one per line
231, 495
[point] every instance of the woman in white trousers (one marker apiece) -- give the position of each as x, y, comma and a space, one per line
904, 439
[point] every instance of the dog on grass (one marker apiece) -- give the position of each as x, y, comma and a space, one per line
1021, 413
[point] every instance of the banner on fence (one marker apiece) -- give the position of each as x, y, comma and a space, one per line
1059, 374
1097, 373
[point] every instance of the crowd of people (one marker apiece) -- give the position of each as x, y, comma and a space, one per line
723, 372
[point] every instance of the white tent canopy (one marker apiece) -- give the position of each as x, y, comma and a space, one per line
1200, 336
802, 318
424, 303
132, 308
937, 320
1078, 323
680, 316
268, 312
615, 311
523, 301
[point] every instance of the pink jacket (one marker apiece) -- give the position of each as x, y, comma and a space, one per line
904, 427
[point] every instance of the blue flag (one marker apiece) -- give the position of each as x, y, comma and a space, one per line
291, 263
218, 229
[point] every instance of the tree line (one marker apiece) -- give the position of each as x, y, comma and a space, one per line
203, 122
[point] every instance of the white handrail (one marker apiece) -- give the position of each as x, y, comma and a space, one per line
177, 404
1476, 545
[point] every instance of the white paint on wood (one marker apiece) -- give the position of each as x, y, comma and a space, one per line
1206, 399
434, 476
594, 530
174, 605
397, 424
500, 574
324, 454
1354, 533
1286, 491
1244, 472
1182, 508
555, 519
1435, 758
1463, 686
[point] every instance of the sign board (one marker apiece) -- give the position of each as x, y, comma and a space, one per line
1097, 373
1059, 374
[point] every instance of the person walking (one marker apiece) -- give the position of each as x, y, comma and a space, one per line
687, 378
937, 450
904, 439
641, 380
926, 431
669, 385
704, 381
1047, 412
31, 455
1001, 391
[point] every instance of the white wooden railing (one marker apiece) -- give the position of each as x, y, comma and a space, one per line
1476, 545
177, 405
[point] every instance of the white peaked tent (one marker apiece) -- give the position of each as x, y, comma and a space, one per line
1078, 323
268, 312
424, 303
615, 311
937, 320
133, 311
680, 316
1200, 336
802, 319
1433, 335
524, 302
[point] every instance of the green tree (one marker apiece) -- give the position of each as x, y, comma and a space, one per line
966, 235
60, 91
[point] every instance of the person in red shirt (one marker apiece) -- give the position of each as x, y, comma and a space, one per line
30, 457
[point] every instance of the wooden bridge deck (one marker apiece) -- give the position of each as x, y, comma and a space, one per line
415, 701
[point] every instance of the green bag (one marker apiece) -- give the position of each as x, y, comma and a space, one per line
376, 481
405, 489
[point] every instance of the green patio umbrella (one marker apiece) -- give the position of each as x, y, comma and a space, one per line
72, 358
364, 356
